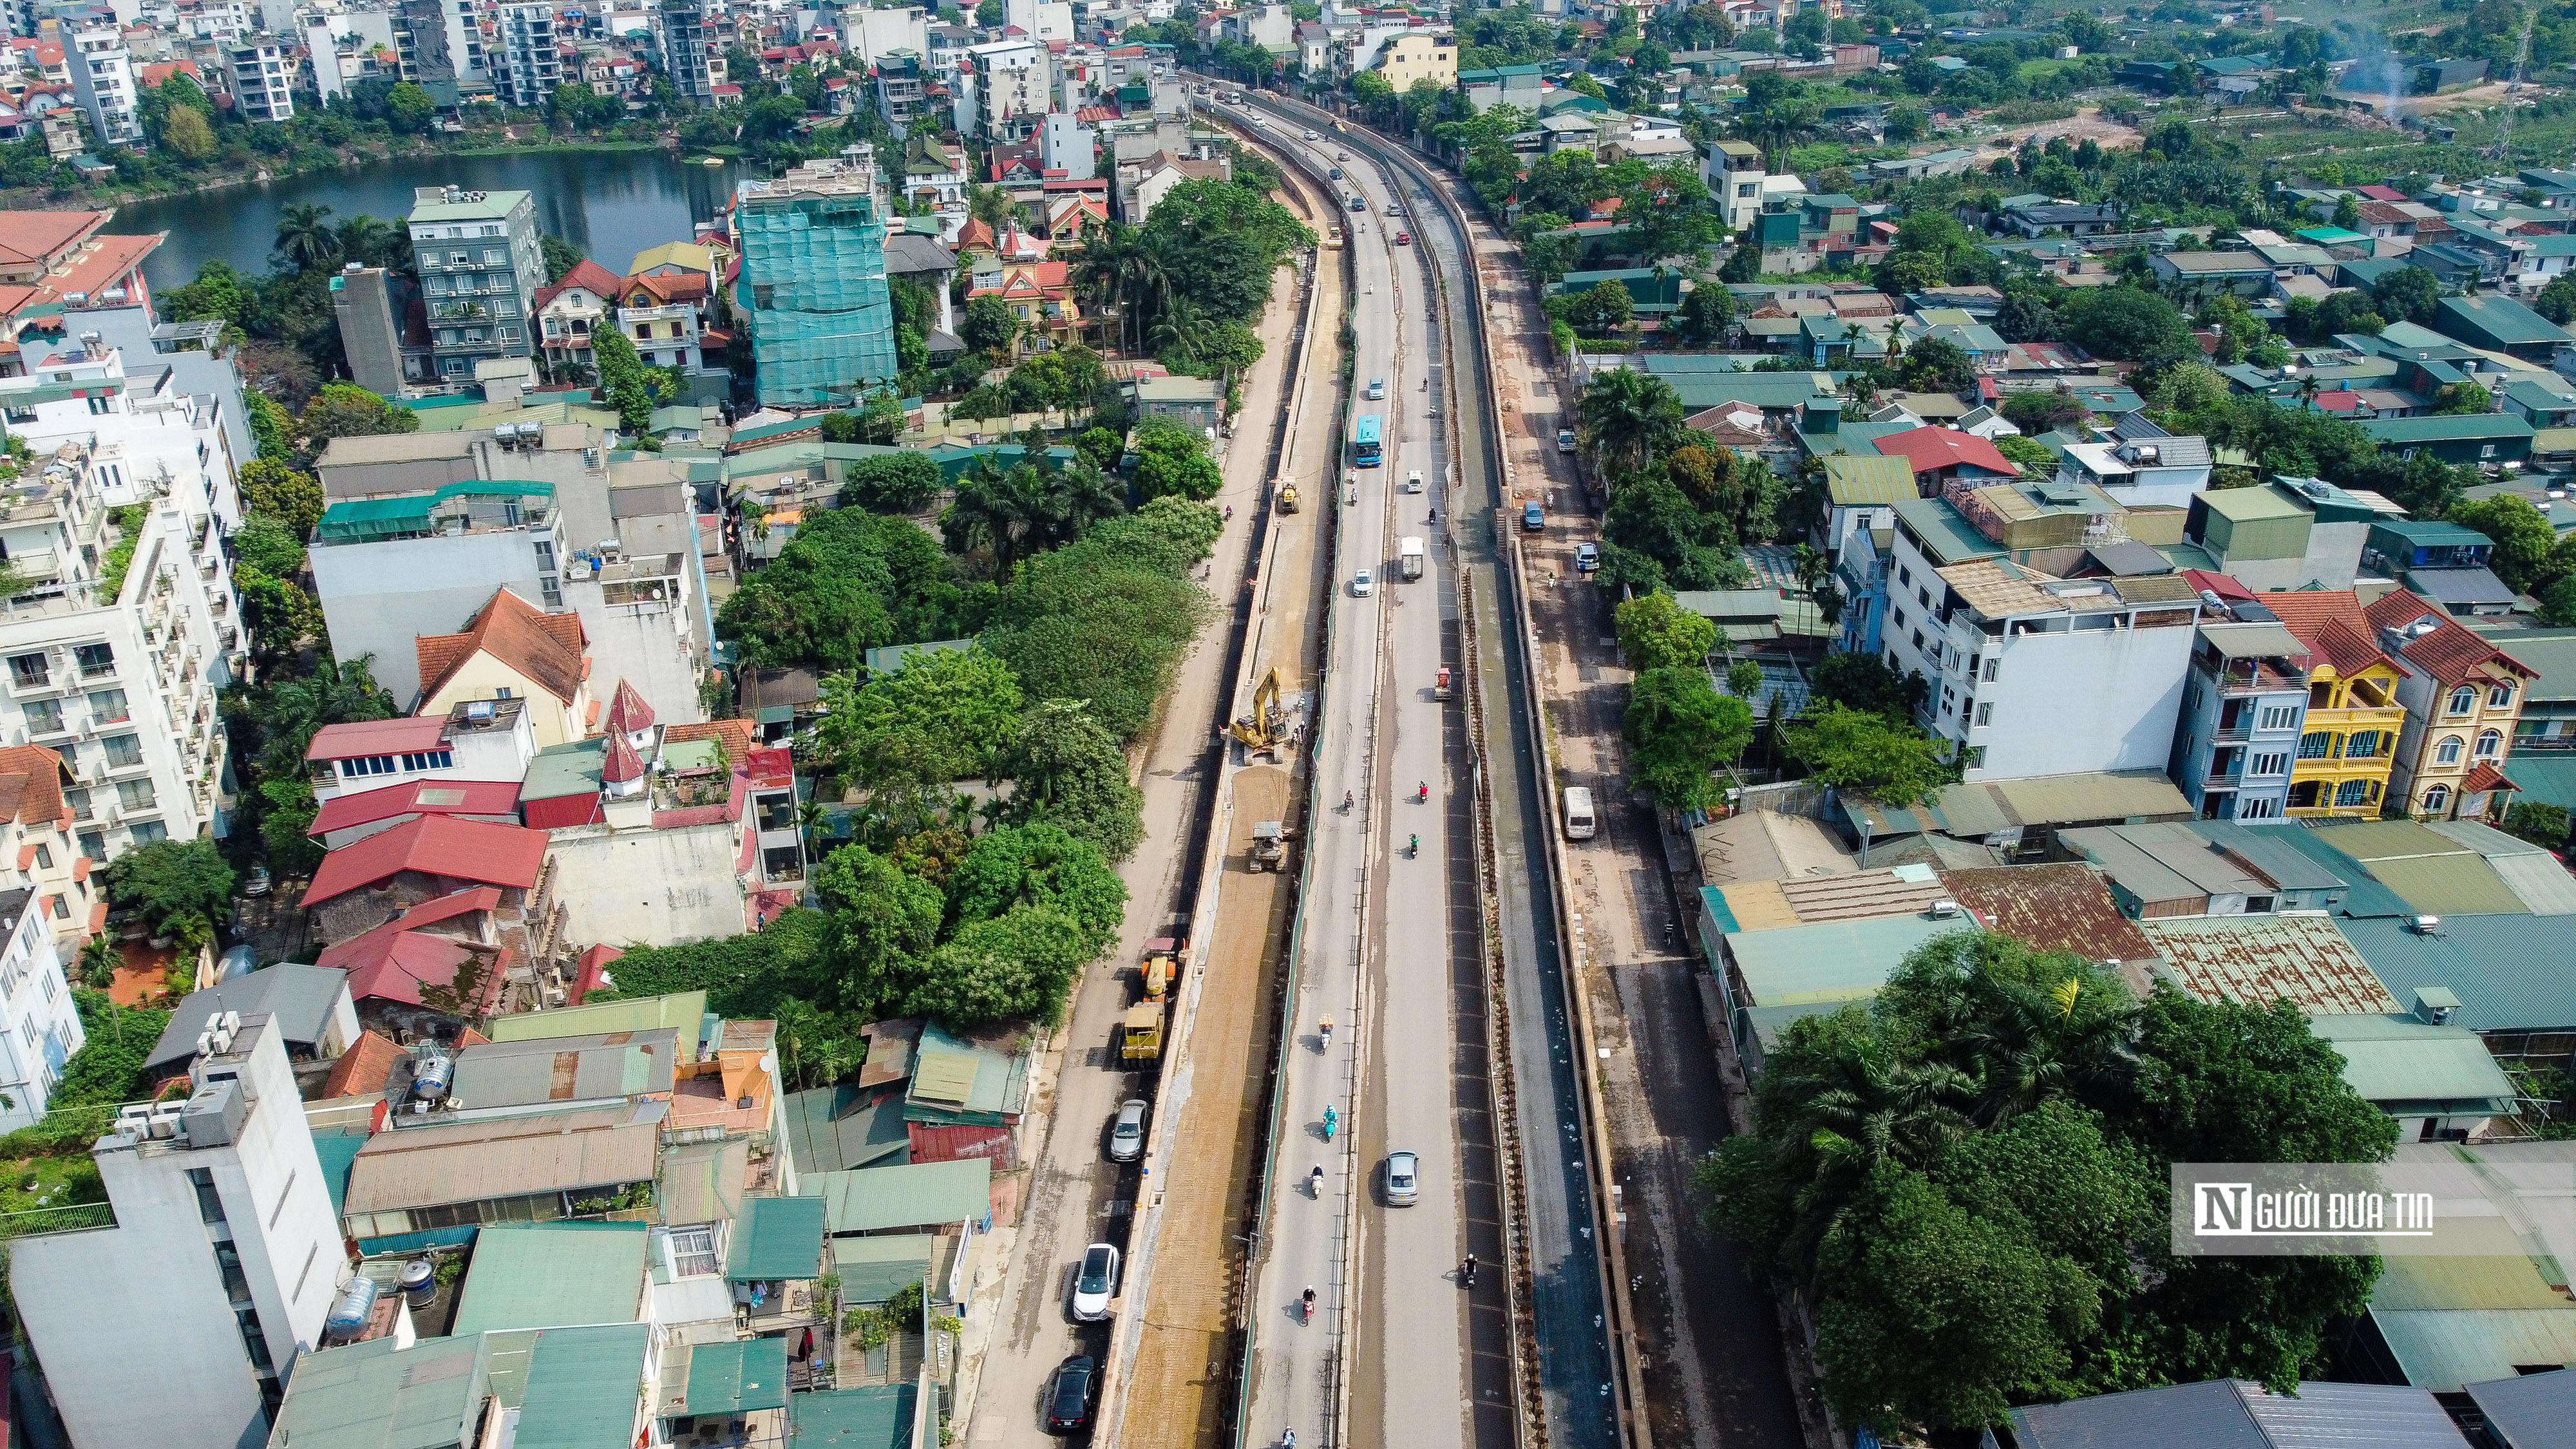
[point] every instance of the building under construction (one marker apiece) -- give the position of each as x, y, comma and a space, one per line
813, 287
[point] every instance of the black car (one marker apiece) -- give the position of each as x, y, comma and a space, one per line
1069, 1398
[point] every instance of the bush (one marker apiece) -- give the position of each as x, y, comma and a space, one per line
892, 483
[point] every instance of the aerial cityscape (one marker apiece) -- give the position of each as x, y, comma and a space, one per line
1766, 724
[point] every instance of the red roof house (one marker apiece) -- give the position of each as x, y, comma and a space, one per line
433, 856
1946, 453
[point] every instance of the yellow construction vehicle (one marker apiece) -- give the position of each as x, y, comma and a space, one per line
1141, 1033
1269, 847
1265, 730
1162, 959
1287, 497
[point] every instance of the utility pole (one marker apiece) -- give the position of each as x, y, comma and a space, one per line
2521, 68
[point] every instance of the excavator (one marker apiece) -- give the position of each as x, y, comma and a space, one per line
1265, 731
1287, 497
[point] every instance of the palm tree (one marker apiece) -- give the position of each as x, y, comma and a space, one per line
1627, 415
1858, 1106
1072, 498
366, 239
304, 239
988, 511
2032, 1043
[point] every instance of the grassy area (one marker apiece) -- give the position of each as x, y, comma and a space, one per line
30, 1183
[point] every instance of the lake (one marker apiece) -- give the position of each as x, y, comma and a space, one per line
610, 204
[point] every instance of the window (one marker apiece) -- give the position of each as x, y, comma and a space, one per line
1985, 714
1896, 615
2486, 450
93, 843
135, 794
2364, 745
144, 832
2279, 716
693, 1252
254, 1342
2500, 696
2316, 745
2263, 808
1975, 759
2437, 799
210, 1208
62, 912
2463, 699
366, 765
501, 693
2274, 763
123, 751
2352, 792
1994, 665
107, 706
30, 671
429, 760
2489, 743
96, 660
2448, 751
1918, 641
44, 716
44, 856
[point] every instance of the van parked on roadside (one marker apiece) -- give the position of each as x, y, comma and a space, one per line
1579, 822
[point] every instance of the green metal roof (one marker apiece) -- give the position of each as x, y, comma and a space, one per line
2511, 973
830, 1130
891, 658
729, 1378
777, 1238
2495, 321
338, 1149
682, 1011
2244, 505
870, 1418
918, 1195
2449, 885
958, 1083
874, 1269
1829, 961
2437, 429
1948, 537
366, 518
566, 769
1858, 481
583, 1388
553, 1275
2398, 1061
378, 1395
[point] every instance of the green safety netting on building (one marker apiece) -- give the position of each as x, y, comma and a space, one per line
364, 519
814, 286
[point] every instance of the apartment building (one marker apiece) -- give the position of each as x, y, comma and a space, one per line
812, 290
2463, 697
1409, 59
118, 674
1002, 90
39, 1029
2349, 741
390, 569
2032, 674
263, 77
1734, 173
527, 61
2244, 706
480, 266
902, 86
692, 51
102, 71
219, 1234
370, 776
2140, 465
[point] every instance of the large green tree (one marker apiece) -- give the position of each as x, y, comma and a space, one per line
1888, 761
1680, 732
946, 716
1656, 632
1066, 769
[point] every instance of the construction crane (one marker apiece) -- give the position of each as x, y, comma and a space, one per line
1265, 729
2521, 69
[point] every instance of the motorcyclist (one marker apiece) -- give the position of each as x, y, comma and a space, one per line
1310, 1300
1346, 801
1412, 844
1467, 1271
1422, 792
1315, 1180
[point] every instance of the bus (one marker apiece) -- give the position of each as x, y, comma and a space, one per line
1366, 449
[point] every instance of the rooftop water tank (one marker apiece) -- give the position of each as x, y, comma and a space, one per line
429, 1076
350, 1313
420, 1282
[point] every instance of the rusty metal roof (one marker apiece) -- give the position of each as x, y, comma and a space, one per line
2053, 907
2262, 959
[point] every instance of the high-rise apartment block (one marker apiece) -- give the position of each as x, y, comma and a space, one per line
480, 266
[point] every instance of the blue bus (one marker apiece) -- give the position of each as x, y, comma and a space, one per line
1366, 449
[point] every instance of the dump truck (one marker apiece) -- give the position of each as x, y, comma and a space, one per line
1161, 962
1408, 555
1269, 847
1140, 1036
1287, 497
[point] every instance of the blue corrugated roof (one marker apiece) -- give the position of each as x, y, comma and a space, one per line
2511, 973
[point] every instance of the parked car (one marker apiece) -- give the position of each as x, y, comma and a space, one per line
1127, 1135
1587, 557
1070, 1396
1362, 585
1403, 1179
1565, 440
256, 884
1533, 517
1095, 1282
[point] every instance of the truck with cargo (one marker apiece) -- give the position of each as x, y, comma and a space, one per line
1408, 556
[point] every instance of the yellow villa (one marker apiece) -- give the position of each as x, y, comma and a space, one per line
2348, 745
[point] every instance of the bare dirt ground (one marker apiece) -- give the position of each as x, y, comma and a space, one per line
2087, 124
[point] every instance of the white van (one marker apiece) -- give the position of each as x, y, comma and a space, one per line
1579, 824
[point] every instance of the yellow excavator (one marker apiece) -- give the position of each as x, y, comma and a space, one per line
1265, 730
1287, 497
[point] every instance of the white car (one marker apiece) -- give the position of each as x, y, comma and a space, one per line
1395, 208
1413, 481
1311, 136
1377, 389
1095, 1283
1362, 585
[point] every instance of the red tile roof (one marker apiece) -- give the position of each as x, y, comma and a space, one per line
627, 711
501, 855
1932, 449
40, 236
2331, 623
2447, 651
420, 797
622, 764
356, 739
363, 1069
592, 971
600, 281
33, 776
544, 648
2486, 778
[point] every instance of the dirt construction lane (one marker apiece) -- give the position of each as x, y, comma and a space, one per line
1177, 1397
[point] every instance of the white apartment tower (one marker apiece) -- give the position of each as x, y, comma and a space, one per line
264, 79
223, 1242
114, 656
102, 70
39, 1030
